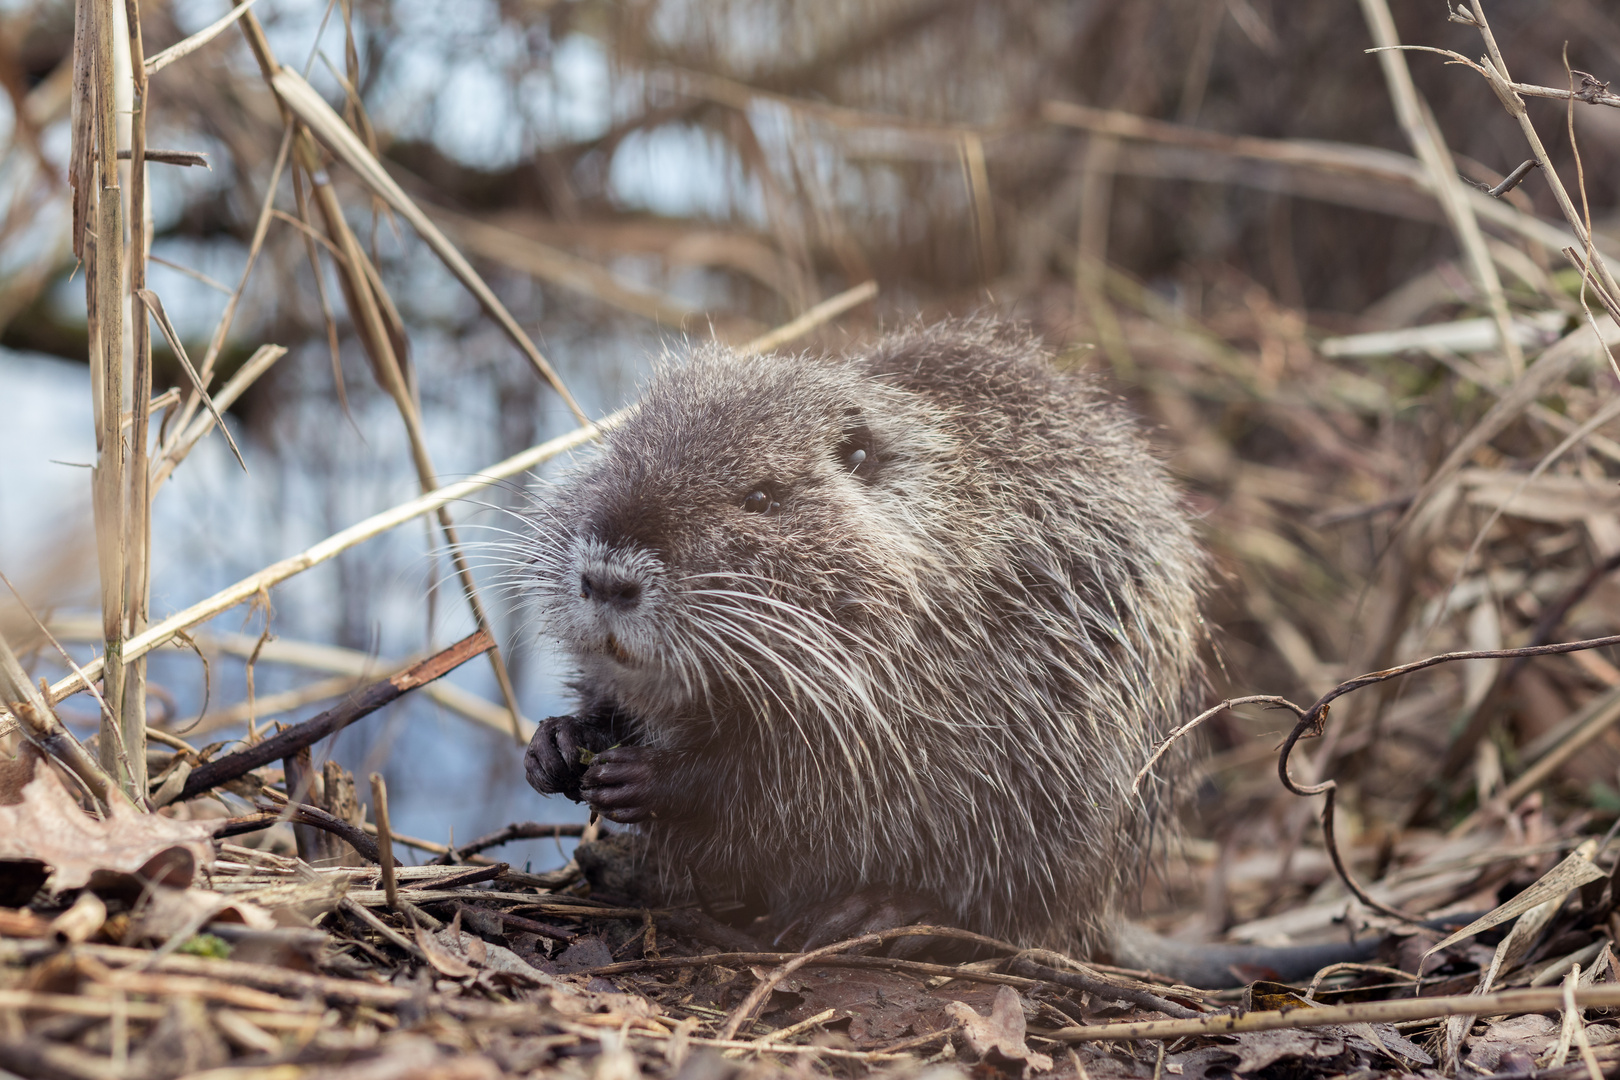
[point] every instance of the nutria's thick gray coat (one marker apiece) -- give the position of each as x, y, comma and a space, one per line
877, 638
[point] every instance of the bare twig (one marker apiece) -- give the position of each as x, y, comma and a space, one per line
1185, 729
1313, 720
222, 770
1503, 1002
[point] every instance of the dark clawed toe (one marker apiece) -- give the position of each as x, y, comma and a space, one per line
552, 762
623, 784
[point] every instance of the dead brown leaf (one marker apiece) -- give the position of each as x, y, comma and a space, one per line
47, 824
1532, 1034
998, 1039
168, 911
443, 960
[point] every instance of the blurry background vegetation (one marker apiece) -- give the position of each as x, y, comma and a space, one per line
632, 175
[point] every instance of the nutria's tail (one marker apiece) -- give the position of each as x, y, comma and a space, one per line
1211, 966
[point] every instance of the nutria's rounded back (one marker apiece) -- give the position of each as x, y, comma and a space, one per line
901, 624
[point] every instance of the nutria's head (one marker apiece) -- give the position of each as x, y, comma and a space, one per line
738, 534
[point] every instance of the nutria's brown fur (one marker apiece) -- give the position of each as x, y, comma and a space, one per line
877, 638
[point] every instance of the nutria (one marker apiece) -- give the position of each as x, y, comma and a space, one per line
880, 638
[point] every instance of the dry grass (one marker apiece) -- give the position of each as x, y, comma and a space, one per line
1383, 387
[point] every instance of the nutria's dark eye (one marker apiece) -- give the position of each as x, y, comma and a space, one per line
760, 501
856, 454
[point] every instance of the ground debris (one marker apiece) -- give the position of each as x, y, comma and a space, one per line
457, 982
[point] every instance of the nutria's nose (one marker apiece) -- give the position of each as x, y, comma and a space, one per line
607, 587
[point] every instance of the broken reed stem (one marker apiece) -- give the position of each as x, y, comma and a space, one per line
138, 507
385, 845
205, 370
188, 436
362, 290
363, 293
311, 108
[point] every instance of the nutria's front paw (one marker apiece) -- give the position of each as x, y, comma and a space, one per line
560, 754
633, 784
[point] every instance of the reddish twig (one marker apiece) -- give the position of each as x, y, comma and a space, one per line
285, 743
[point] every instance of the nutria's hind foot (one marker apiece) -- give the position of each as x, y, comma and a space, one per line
866, 911
560, 753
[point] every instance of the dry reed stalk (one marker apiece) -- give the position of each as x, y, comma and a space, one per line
365, 295
1424, 134
312, 109
96, 171
137, 571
